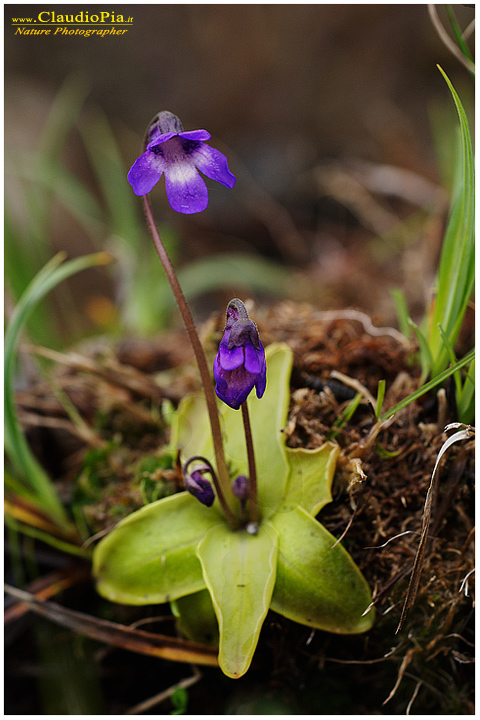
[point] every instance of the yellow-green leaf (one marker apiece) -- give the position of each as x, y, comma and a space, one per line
196, 618
317, 584
190, 431
150, 556
239, 571
311, 477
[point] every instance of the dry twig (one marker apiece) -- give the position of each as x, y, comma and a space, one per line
122, 636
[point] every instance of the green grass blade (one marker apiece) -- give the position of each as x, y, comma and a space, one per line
466, 398
56, 131
111, 172
47, 538
401, 308
380, 397
15, 486
453, 359
20, 266
456, 274
60, 182
35, 181
458, 33
426, 360
346, 415
63, 114
15, 442
429, 386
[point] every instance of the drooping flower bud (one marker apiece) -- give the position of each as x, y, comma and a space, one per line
196, 484
240, 362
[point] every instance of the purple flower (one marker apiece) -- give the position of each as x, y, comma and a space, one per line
240, 362
196, 484
179, 155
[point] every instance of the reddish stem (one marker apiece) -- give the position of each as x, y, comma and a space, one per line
252, 471
223, 486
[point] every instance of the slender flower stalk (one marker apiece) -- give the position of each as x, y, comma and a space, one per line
169, 150
252, 471
222, 486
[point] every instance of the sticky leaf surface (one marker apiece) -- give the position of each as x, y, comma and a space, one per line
311, 477
239, 571
150, 556
317, 584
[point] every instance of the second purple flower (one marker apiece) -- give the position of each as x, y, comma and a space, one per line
240, 362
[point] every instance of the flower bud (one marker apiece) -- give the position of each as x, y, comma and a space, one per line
197, 485
240, 487
163, 122
240, 362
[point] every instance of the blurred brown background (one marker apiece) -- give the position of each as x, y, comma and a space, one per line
308, 101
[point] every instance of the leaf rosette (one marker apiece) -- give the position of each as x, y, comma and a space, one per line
221, 581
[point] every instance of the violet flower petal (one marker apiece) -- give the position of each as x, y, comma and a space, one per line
232, 387
145, 172
240, 398
199, 135
253, 361
186, 191
261, 383
190, 135
221, 384
239, 365
213, 164
217, 370
159, 139
231, 359
234, 394
201, 488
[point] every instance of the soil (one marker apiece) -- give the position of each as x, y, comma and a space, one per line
114, 461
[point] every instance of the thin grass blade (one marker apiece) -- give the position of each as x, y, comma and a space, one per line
455, 279
17, 447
